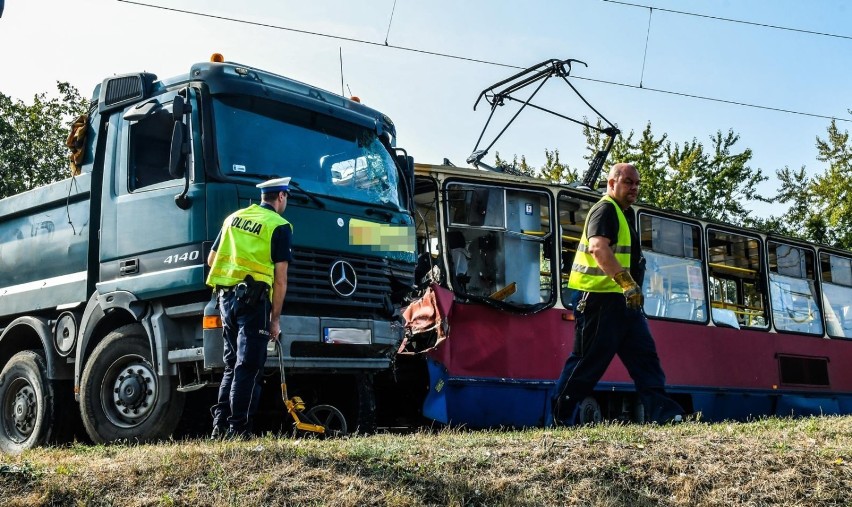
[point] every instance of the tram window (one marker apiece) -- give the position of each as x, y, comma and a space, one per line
733, 261
476, 205
572, 218
836, 274
429, 266
499, 241
792, 289
674, 280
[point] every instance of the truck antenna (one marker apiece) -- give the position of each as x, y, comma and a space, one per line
341, 71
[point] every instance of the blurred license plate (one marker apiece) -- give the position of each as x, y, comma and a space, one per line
347, 335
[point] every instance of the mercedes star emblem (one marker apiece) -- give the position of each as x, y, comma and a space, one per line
343, 279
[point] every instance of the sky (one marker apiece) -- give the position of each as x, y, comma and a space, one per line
430, 98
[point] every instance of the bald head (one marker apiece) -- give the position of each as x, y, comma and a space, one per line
622, 184
618, 169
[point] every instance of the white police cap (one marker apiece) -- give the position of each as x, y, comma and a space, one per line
276, 185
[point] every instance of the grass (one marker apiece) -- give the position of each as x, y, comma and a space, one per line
766, 462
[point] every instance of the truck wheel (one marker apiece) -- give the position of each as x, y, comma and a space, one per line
27, 399
121, 396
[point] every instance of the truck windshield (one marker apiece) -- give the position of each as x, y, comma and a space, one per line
324, 155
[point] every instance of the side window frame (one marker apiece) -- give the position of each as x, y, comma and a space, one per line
127, 176
784, 296
749, 281
469, 239
690, 302
838, 316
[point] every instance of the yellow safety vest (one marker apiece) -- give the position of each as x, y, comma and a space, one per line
245, 248
586, 275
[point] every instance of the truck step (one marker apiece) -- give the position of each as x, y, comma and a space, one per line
195, 386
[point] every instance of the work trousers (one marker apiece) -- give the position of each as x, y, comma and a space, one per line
606, 327
245, 355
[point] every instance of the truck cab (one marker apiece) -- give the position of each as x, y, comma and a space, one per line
103, 299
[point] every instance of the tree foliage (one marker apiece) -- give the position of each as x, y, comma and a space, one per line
714, 182
819, 207
519, 167
32, 138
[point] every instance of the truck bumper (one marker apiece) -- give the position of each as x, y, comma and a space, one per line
315, 343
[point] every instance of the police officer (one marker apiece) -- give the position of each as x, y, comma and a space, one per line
248, 271
608, 308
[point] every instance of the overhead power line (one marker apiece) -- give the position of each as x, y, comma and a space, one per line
476, 60
318, 34
389, 22
645, 55
729, 20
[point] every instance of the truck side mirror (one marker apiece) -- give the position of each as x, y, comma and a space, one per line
178, 150
178, 108
407, 165
177, 167
177, 164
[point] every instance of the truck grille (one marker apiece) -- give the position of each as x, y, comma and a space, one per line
309, 280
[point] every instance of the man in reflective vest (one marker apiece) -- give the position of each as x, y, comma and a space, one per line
608, 308
248, 271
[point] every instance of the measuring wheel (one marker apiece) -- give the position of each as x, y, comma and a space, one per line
328, 417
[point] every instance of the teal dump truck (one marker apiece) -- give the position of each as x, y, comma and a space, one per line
105, 318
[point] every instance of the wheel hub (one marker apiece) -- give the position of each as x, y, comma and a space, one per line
24, 409
134, 391
130, 389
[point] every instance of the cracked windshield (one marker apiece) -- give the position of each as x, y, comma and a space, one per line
326, 156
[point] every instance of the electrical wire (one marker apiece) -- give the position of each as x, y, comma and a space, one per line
486, 62
318, 34
389, 22
723, 101
645, 55
730, 20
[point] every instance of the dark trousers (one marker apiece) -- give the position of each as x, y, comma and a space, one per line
245, 355
605, 328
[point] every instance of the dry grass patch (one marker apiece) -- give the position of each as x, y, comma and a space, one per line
767, 462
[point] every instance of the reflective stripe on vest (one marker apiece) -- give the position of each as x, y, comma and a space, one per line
586, 275
245, 248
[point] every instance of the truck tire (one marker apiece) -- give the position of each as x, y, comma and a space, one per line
121, 396
27, 403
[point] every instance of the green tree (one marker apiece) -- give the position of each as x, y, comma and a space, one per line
819, 207
555, 170
521, 167
32, 138
719, 183
649, 155
833, 188
710, 183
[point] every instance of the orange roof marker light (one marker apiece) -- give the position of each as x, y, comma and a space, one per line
355, 99
217, 58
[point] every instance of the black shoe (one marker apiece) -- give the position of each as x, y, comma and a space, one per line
562, 410
218, 432
232, 434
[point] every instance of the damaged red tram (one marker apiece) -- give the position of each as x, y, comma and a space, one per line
747, 324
